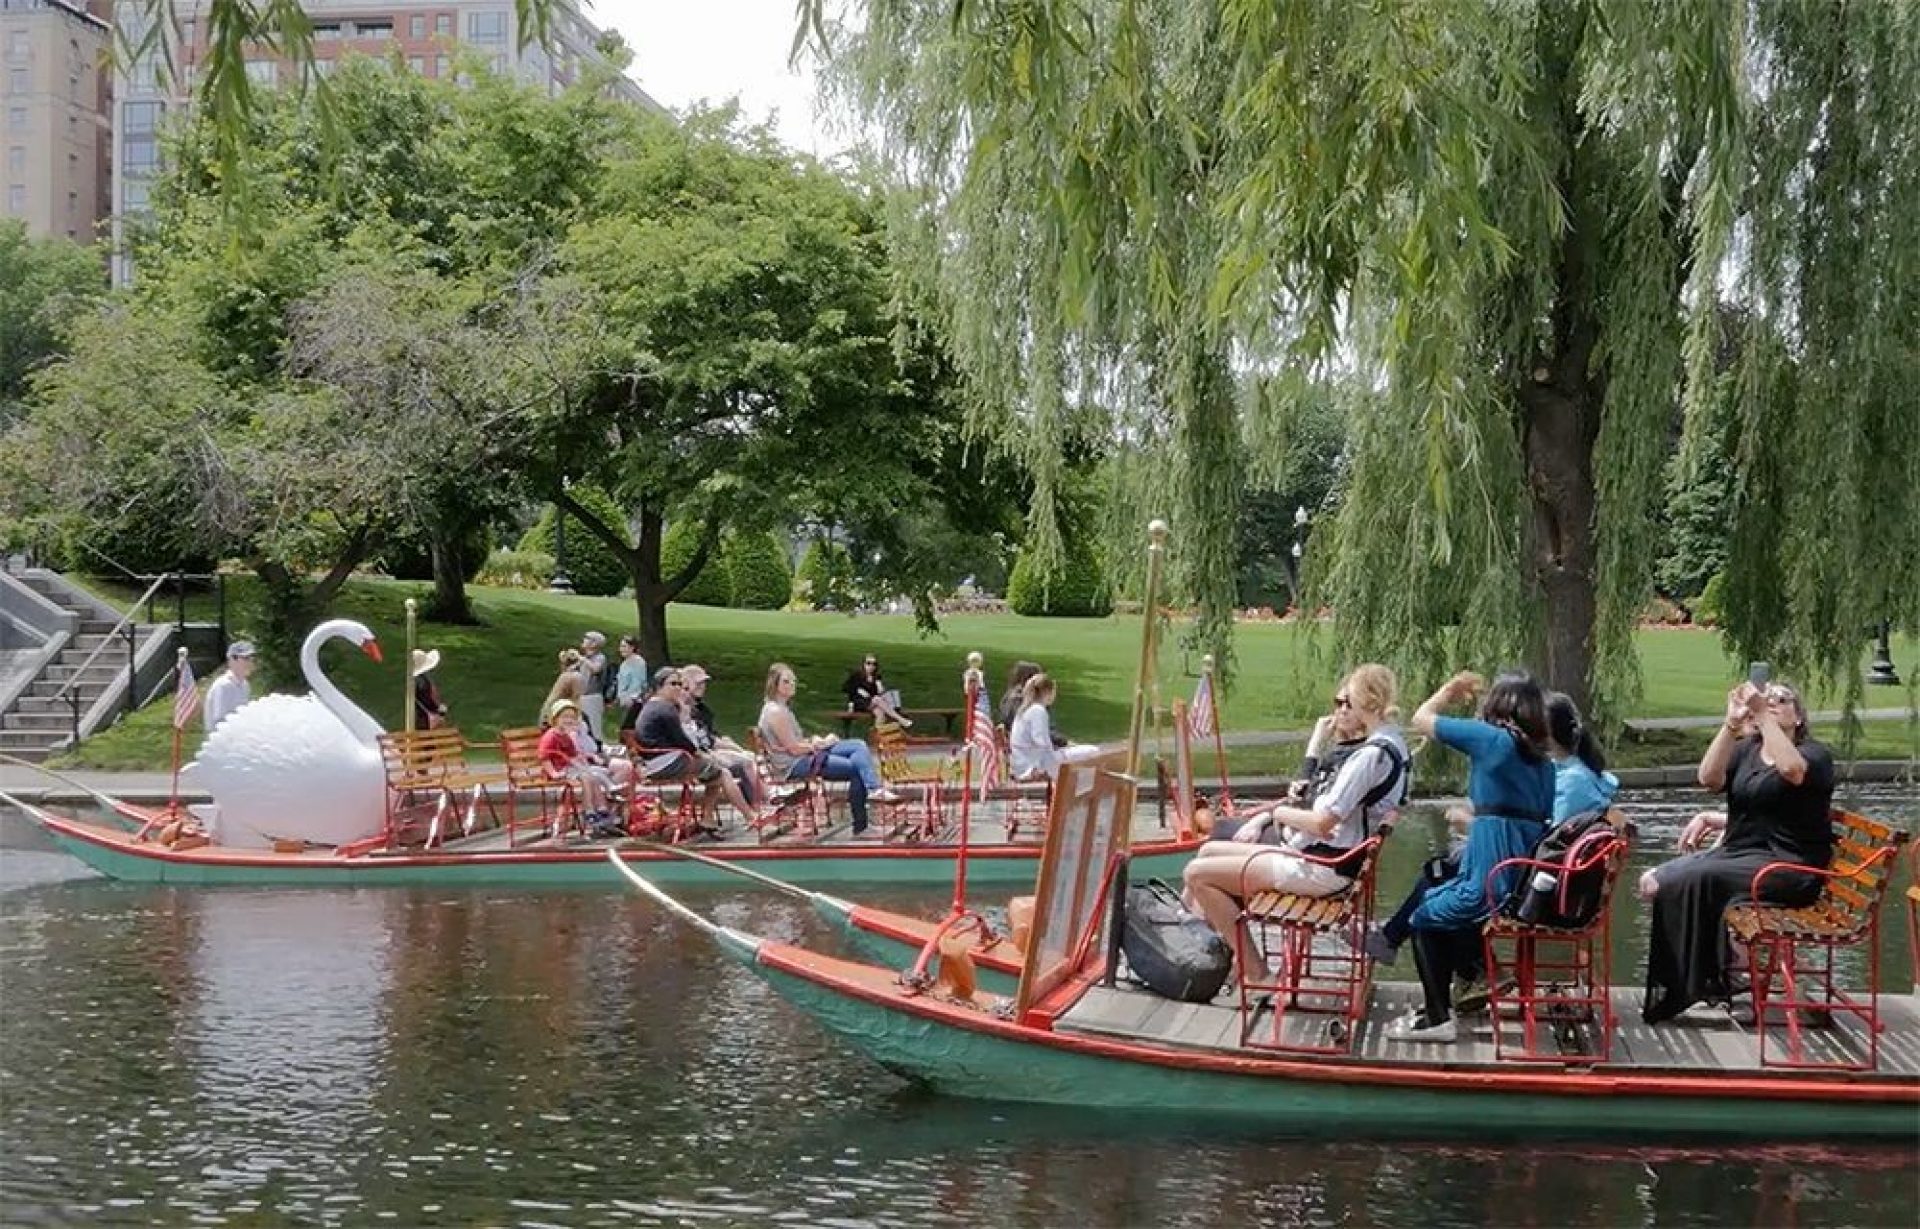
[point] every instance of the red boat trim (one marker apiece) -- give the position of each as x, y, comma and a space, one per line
876, 986
212, 855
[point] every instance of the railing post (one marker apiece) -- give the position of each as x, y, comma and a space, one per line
73, 708
220, 587
133, 677
151, 591
180, 606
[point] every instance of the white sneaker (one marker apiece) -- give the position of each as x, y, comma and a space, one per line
1416, 1028
885, 795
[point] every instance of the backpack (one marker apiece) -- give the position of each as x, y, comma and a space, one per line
1170, 951
1563, 899
609, 684
1329, 768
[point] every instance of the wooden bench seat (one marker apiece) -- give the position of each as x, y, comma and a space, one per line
432, 763
1791, 949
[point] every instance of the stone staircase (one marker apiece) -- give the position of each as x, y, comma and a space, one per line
41, 717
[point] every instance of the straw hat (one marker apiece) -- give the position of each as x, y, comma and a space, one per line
424, 660
560, 706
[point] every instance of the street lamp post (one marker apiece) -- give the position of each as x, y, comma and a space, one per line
1297, 550
1881, 673
561, 582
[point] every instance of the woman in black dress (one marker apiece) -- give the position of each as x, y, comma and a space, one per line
1779, 788
867, 692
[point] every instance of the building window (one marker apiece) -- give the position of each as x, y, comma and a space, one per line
17, 199
19, 45
17, 160
417, 65
263, 72
138, 195
17, 80
187, 29
141, 118
487, 29
417, 26
140, 154
501, 66
323, 68
373, 29
326, 33
439, 66
16, 117
443, 24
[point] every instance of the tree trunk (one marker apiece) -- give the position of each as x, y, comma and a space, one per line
650, 597
1558, 433
449, 603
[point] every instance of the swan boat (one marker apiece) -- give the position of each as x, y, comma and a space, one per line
1050, 1024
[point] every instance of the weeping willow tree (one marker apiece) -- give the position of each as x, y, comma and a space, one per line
1513, 221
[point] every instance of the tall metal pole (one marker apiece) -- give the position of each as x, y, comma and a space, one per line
971, 681
413, 610
1882, 672
1149, 614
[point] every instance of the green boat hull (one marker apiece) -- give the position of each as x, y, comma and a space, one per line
991, 1066
574, 868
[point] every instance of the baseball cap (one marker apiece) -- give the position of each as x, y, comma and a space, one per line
240, 648
693, 675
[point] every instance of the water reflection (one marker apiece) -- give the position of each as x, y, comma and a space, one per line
176, 1056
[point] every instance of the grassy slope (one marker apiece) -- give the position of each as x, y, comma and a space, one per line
495, 676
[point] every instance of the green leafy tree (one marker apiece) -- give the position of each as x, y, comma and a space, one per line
758, 574
43, 284
1515, 219
708, 586
826, 577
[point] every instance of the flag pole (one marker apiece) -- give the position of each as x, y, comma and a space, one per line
970, 683
1156, 553
1219, 738
173, 787
413, 608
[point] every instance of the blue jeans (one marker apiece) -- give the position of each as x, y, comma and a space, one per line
851, 761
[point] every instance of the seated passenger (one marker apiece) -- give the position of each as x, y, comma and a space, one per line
794, 756
1581, 782
1033, 753
1014, 698
1779, 788
867, 692
729, 754
662, 728
1510, 786
565, 760
1363, 795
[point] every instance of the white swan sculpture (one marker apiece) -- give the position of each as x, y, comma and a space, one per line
302, 768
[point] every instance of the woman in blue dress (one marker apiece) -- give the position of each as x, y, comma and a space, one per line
1510, 783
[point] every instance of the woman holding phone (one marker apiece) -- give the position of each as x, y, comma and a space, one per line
1779, 788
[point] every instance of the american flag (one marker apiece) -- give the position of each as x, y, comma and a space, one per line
186, 697
1201, 717
980, 737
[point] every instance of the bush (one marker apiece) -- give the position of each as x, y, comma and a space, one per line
594, 569
517, 569
1710, 608
758, 575
1077, 589
709, 585
826, 580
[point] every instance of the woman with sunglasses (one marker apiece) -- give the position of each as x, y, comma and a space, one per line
1779, 788
1357, 802
867, 692
793, 756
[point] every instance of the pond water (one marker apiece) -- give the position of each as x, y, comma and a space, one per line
434, 1056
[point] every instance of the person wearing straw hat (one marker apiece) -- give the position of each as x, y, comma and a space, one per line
429, 710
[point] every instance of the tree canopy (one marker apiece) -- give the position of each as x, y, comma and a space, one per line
1518, 222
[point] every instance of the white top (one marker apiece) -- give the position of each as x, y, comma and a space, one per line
1361, 773
1030, 744
224, 694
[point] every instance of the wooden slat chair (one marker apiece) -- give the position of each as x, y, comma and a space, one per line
1913, 919
1278, 931
431, 765
682, 819
1793, 948
925, 790
526, 773
1556, 978
1029, 802
800, 815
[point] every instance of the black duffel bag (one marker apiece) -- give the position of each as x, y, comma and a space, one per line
1170, 951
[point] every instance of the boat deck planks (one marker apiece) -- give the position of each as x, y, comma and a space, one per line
1702, 1040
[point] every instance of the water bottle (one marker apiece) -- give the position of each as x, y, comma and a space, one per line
1540, 891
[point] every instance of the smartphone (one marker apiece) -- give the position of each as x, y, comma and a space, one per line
1758, 673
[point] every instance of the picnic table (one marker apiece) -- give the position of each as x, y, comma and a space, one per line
949, 717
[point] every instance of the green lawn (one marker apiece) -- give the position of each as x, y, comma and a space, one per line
495, 676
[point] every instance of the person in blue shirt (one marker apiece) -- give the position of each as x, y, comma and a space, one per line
1510, 783
1581, 782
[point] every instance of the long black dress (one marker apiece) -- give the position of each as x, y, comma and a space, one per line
1768, 820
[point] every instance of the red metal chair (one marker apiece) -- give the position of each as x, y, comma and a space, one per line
683, 818
1029, 802
1279, 930
1913, 919
1557, 978
924, 789
526, 773
1793, 948
802, 814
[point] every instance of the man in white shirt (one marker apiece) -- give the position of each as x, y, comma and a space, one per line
229, 691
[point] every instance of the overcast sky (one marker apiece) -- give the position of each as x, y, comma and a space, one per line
686, 50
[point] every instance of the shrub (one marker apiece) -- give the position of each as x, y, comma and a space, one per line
517, 569
758, 575
1078, 588
1710, 608
826, 580
594, 569
709, 585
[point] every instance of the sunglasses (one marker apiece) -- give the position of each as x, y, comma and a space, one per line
1342, 702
